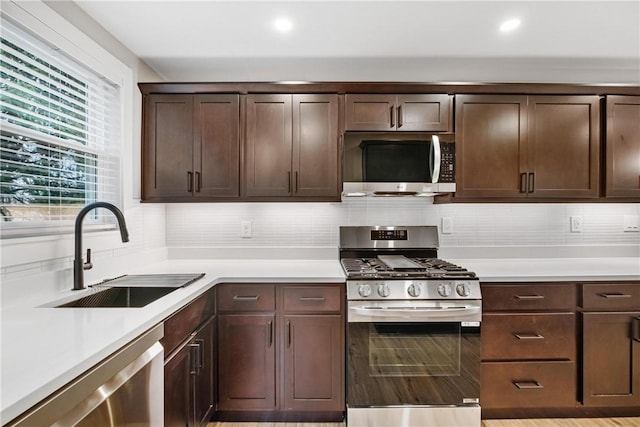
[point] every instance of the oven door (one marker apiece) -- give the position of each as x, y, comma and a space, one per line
413, 353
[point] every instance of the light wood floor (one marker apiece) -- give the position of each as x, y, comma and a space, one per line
555, 422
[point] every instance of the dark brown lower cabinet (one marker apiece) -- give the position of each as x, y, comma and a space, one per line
281, 352
189, 380
312, 363
611, 359
246, 360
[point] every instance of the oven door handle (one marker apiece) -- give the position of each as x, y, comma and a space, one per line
422, 313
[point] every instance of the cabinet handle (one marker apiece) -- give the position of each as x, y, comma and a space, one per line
246, 298
614, 295
194, 354
636, 329
523, 182
399, 116
200, 343
269, 334
527, 385
312, 298
528, 297
289, 181
288, 334
391, 116
532, 181
198, 182
532, 336
295, 182
189, 182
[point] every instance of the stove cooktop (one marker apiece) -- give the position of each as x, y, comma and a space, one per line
414, 268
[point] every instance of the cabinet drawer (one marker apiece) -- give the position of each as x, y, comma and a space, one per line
183, 323
528, 336
528, 385
611, 296
314, 298
249, 297
529, 296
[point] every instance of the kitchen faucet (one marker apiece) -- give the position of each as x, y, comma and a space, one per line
78, 264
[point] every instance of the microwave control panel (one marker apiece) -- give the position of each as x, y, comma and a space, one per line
447, 163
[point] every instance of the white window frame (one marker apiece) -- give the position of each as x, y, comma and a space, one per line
46, 24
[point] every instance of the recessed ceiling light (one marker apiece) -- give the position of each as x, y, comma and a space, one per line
509, 25
283, 24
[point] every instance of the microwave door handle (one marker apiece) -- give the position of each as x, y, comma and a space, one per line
435, 165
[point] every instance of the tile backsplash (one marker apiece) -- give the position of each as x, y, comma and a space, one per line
474, 225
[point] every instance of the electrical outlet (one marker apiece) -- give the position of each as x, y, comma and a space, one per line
245, 229
631, 223
447, 225
576, 224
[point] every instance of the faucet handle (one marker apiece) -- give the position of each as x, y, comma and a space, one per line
88, 265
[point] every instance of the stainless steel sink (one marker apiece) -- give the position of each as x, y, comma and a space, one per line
128, 296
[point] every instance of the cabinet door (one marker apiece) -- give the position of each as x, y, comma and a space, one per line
623, 146
611, 359
177, 389
424, 113
315, 146
246, 362
370, 112
564, 146
267, 165
203, 378
313, 363
167, 148
216, 146
491, 139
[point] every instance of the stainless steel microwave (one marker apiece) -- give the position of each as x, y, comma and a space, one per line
418, 166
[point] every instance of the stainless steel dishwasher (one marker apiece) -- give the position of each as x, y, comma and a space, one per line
126, 389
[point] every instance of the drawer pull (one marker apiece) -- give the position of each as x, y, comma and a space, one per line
533, 336
246, 298
529, 297
614, 295
527, 385
312, 298
636, 329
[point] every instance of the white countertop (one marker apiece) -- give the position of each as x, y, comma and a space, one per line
44, 348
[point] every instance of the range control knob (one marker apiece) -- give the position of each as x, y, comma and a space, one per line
364, 290
463, 289
383, 290
444, 289
414, 290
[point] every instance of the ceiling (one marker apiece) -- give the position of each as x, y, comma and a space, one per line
419, 41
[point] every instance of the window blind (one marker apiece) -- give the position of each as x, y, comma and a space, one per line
60, 127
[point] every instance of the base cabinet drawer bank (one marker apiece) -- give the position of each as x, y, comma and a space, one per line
280, 352
528, 348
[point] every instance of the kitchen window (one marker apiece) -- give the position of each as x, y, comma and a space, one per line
61, 138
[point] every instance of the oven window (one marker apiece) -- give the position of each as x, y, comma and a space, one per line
414, 349
412, 363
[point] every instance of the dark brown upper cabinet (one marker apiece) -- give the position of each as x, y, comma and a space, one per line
388, 112
191, 148
291, 147
516, 146
623, 147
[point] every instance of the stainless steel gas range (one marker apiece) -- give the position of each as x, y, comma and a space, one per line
413, 331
